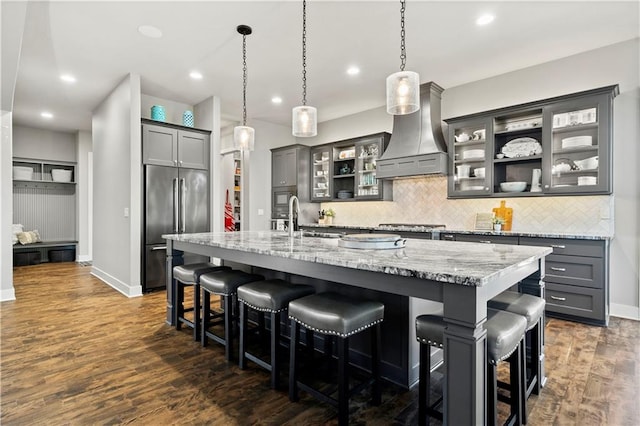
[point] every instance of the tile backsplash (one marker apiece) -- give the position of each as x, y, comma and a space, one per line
424, 201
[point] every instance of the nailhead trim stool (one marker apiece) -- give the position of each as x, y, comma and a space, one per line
189, 275
267, 297
532, 308
333, 314
225, 284
505, 340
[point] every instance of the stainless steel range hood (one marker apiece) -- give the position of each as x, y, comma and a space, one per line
417, 146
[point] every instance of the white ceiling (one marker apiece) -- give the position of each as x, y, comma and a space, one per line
99, 43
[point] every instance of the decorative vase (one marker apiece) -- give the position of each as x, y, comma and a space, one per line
187, 118
328, 220
157, 113
497, 227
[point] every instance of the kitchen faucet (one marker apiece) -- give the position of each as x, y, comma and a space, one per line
293, 223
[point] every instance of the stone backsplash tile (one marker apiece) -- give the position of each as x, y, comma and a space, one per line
424, 201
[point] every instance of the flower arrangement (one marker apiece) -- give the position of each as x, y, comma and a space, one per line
330, 213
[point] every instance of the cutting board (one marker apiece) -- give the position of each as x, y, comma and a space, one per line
505, 213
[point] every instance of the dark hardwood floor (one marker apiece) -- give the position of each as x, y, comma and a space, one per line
75, 351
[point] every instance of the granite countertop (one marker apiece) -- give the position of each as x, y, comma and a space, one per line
417, 229
473, 264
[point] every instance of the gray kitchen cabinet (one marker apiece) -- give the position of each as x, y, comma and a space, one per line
284, 166
557, 146
321, 176
172, 145
576, 277
487, 239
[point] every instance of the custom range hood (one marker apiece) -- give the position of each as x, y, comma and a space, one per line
417, 146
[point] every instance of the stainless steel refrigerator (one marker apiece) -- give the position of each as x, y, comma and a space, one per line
176, 201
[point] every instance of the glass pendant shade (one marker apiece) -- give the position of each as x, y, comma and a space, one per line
403, 93
305, 121
243, 138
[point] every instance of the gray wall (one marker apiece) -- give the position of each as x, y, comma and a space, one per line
6, 209
84, 190
116, 185
41, 144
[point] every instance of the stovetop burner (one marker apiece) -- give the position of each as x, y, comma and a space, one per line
409, 226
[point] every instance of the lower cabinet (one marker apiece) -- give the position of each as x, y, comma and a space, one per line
576, 274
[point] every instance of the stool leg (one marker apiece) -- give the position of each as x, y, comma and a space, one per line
308, 334
521, 380
275, 349
343, 381
179, 304
228, 327
242, 360
206, 313
492, 395
196, 312
424, 384
376, 393
536, 343
293, 361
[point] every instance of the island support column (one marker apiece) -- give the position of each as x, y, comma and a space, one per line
174, 257
465, 348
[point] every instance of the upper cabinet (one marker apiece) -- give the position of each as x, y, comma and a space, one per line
174, 146
346, 170
284, 167
559, 146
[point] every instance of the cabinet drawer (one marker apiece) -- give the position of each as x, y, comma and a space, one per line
568, 247
575, 270
488, 239
578, 301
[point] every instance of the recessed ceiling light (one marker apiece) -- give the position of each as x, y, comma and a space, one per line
276, 100
195, 75
46, 114
485, 19
68, 78
150, 31
353, 70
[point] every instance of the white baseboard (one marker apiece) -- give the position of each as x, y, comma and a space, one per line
116, 284
624, 311
84, 258
7, 294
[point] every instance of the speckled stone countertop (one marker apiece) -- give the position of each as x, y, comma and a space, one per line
472, 264
416, 229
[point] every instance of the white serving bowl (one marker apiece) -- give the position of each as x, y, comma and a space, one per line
587, 164
587, 180
22, 173
577, 141
473, 153
479, 172
513, 186
61, 175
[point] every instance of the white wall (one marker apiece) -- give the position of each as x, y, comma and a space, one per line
615, 64
116, 186
6, 209
42, 144
84, 173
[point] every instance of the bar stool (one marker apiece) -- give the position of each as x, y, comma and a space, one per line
333, 314
189, 275
267, 297
225, 284
505, 340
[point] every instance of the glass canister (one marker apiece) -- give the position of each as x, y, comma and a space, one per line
157, 113
187, 118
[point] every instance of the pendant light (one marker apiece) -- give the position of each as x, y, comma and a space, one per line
304, 117
244, 136
403, 88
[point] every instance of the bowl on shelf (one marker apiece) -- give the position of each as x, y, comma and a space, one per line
517, 186
479, 172
61, 175
590, 163
577, 141
587, 180
343, 193
473, 153
22, 173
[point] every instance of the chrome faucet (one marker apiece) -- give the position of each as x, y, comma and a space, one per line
293, 200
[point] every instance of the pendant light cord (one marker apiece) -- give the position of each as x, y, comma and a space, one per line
244, 80
304, 52
403, 50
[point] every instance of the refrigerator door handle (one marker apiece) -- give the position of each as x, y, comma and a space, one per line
183, 205
175, 205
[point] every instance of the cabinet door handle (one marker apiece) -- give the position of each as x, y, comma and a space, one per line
485, 241
562, 299
448, 237
159, 248
558, 269
558, 246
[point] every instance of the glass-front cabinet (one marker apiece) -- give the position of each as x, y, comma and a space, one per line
321, 188
469, 146
368, 151
579, 159
558, 146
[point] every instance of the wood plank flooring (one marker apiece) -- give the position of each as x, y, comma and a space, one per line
75, 351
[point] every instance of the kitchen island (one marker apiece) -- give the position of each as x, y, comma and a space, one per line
463, 276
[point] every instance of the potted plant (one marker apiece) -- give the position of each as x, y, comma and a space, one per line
328, 216
497, 223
